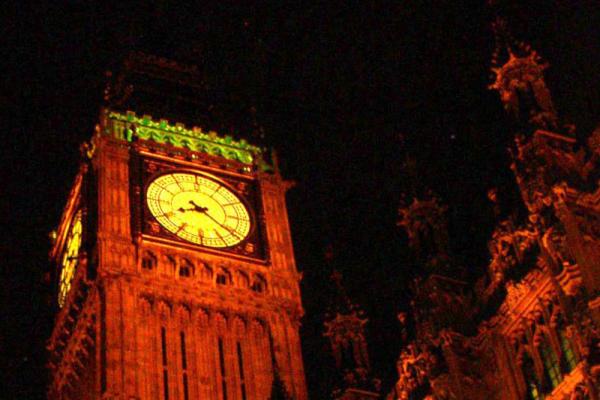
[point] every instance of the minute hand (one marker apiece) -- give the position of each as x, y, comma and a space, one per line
227, 228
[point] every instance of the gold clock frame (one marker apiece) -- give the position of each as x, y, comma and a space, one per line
225, 236
146, 164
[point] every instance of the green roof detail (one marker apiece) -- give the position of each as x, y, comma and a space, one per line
120, 126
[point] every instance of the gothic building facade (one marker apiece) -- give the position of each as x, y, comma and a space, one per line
529, 327
174, 269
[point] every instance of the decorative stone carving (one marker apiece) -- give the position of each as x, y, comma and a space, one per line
507, 248
425, 223
541, 286
520, 80
145, 306
164, 310
414, 366
183, 314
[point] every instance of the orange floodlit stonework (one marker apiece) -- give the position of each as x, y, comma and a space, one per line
345, 329
175, 271
530, 327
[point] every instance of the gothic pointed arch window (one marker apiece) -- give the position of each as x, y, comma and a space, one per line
169, 266
242, 280
205, 272
532, 384
551, 364
148, 261
259, 285
223, 277
186, 268
569, 359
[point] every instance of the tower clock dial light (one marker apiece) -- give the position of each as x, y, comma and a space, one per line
198, 209
69, 259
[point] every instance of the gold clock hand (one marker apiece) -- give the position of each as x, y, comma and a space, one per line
227, 228
197, 207
220, 237
204, 210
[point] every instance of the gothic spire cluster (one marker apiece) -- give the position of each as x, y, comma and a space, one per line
533, 317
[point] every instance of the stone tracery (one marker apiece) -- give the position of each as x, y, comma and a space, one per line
536, 313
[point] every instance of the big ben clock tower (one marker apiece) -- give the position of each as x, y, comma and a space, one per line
174, 269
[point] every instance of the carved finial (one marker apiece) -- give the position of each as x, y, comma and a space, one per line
425, 224
345, 329
518, 73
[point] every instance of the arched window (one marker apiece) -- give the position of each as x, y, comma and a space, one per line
551, 365
148, 261
223, 277
205, 271
242, 280
569, 358
170, 265
259, 285
532, 385
186, 268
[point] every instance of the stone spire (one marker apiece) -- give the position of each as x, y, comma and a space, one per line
424, 221
345, 328
422, 215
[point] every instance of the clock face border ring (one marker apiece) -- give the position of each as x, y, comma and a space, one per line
242, 198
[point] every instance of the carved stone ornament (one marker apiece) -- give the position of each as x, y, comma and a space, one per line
425, 224
507, 248
520, 80
414, 366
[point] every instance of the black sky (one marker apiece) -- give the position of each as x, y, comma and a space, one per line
344, 93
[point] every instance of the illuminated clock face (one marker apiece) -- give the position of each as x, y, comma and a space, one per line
198, 209
69, 259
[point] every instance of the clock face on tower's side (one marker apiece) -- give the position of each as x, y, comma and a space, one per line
198, 209
69, 259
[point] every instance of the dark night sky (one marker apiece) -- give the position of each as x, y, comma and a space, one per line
343, 93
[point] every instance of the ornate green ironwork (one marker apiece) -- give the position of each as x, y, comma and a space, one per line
123, 126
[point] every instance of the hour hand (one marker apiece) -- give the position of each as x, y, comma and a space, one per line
197, 207
182, 210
